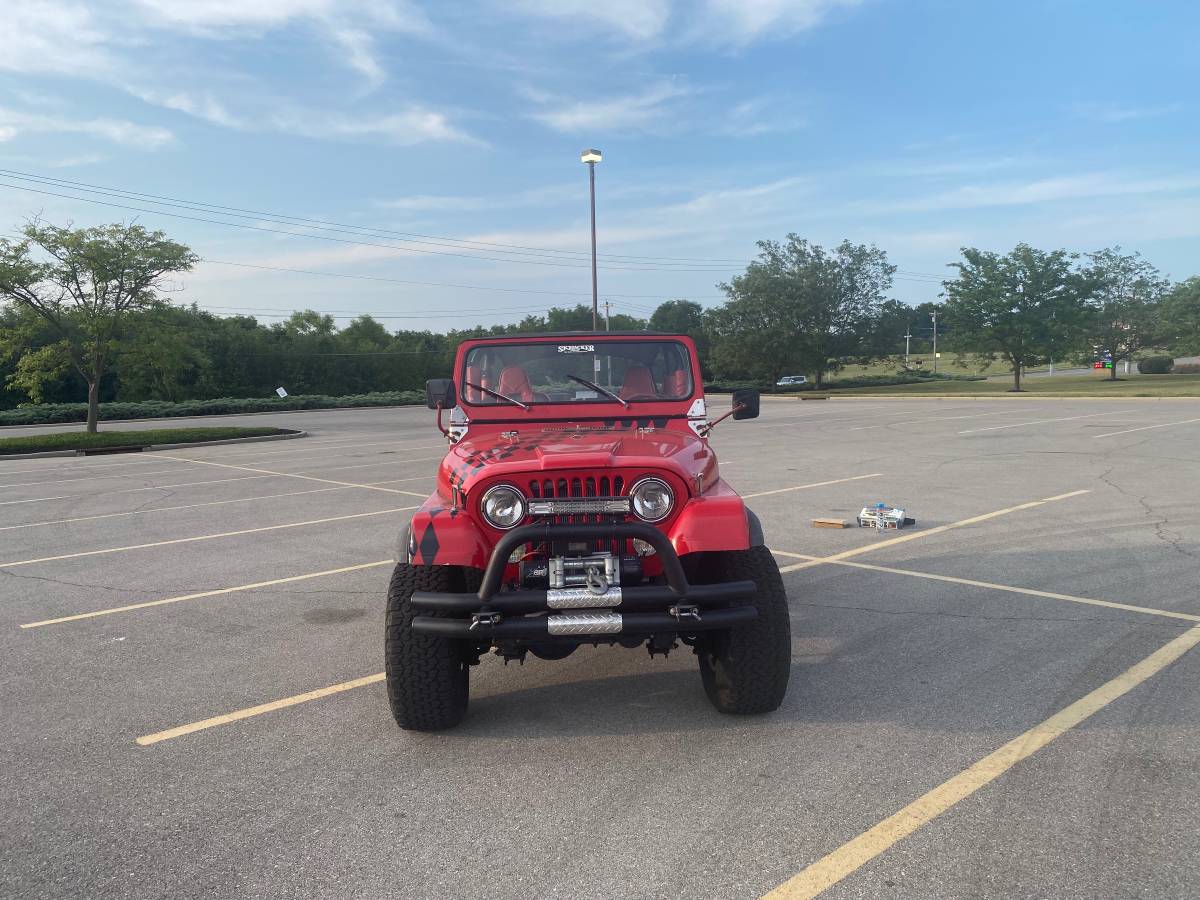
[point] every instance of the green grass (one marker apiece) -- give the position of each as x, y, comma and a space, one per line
81, 440
1060, 385
971, 365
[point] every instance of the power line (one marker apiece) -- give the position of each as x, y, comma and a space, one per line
470, 287
410, 237
325, 237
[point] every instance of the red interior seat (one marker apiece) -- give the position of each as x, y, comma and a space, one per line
675, 384
514, 382
639, 382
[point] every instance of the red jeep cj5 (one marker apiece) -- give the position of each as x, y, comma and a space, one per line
580, 503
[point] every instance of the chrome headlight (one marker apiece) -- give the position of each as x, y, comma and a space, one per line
653, 499
503, 506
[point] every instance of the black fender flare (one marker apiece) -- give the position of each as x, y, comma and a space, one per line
754, 529
401, 552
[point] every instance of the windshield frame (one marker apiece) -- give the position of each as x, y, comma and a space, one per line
601, 401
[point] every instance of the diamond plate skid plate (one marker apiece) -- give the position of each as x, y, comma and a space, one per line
584, 623
582, 598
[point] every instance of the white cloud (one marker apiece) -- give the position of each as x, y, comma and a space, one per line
201, 106
720, 22
414, 125
118, 131
761, 115
1044, 190
741, 22
1111, 113
644, 110
435, 203
637, 19
99, 39
53, 36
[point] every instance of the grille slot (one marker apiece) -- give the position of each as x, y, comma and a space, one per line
581, 485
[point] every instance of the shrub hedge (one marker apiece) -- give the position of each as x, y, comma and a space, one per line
1156, 365
49, 413
917, 376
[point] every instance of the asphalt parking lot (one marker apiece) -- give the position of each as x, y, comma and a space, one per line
999, 702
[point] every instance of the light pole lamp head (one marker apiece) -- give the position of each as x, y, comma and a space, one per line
590, 156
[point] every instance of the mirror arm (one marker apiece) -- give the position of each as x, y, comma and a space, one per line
715, 422
444, 430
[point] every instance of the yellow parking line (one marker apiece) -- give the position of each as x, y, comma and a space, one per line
1044, 421
1144, 428
800, 487
904, 538
856, 853
148, 739
142, 512
214, 593
369, 487
203, 537
970, 582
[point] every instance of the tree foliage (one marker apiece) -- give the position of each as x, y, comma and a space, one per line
86, 319
1180, 321
800, 307
1126, 292
1026, 305
85, 283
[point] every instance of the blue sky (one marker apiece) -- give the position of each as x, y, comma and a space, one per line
918, 126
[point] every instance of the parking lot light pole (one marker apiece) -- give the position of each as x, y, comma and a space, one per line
934, 315
591, 157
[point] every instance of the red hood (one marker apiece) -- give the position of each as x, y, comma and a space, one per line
485, 455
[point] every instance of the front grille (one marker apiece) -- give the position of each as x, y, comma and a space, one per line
561, 486
568, 494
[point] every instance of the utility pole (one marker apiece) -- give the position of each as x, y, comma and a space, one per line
934, 315
591, 157
606, 309
907, 339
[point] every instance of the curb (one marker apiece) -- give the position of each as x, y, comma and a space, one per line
268, 412
134, 448
995, 397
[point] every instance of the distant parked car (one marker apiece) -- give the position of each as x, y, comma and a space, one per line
791, 381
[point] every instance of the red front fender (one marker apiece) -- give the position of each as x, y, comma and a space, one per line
716, 521
440, 535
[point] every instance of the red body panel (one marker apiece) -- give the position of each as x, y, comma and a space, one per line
514, 446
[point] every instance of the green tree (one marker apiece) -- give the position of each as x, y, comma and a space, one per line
1024, 305
85, 283
684, 317
1180, 321
800, 307
1124, 305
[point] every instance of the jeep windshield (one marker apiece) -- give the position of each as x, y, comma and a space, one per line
571, 371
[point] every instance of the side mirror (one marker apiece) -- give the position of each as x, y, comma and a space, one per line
440, 392
748, 399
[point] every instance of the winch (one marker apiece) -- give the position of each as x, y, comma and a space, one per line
597, 571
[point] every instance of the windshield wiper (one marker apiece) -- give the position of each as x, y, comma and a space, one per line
596, 387
499, 396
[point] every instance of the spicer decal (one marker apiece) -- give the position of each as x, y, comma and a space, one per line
576, 348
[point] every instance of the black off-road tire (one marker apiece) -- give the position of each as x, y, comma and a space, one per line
745, 670
427, 677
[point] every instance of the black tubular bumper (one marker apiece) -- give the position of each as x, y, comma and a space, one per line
495, 615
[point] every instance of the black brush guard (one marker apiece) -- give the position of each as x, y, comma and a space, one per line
494, 615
